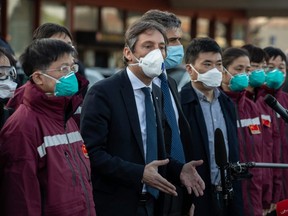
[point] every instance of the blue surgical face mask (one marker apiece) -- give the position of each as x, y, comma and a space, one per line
257, 78
274, 79
65, 86
174, 57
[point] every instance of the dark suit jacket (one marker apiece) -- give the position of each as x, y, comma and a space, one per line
179, 205
111, 131
200, 147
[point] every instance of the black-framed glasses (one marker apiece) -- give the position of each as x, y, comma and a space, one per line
65, 69
7, 71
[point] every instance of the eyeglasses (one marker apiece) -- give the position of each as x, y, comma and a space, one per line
7, 71
65, 69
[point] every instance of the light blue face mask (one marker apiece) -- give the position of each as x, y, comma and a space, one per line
239, 82
65, 86
274, 79
257, 78
174, 57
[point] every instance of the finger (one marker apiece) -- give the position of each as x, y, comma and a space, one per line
189, 190
165, 186
197, 163
195, 191
201, 183
192, 209
159, 162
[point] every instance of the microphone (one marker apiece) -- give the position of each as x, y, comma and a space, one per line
223, 164
282, 208
275, 105
220, 149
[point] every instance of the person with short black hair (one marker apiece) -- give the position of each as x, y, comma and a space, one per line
44, 166
207, 108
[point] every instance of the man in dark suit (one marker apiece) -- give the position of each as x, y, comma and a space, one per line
180, 205
116, 135
206, 109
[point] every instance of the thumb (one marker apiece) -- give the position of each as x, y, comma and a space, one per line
160, 162
197, 163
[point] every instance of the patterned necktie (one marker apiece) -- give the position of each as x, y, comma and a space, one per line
177, 151
151, 132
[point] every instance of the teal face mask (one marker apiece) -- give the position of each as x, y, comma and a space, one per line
174, 57
257, 78
274, 79
65, 86
239, 82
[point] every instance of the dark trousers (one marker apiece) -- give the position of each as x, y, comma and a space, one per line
146, 206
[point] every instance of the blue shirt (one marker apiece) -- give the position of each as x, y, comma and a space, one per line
214, 118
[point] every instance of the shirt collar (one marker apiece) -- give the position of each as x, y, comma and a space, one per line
201, 96
135, 81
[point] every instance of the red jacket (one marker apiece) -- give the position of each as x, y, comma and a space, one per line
250, 148
282, 127
44, 170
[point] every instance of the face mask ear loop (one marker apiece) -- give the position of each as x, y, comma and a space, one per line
57, 81
138, 61
195, 71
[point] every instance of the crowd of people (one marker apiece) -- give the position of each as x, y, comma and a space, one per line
132, 144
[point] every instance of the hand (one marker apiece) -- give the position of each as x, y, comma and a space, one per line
191, 210
191, 179
152, 178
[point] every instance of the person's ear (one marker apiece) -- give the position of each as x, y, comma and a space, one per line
127, 54
37, 78
189, 69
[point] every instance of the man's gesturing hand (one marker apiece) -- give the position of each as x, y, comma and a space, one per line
191, 179
152, 178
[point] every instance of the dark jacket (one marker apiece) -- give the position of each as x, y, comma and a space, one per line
111, 130
200, 149
180, 205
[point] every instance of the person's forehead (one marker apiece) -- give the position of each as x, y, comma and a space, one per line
174, 33
241, 60
209, 56
151, 36
62, 36
4, 61
277, 59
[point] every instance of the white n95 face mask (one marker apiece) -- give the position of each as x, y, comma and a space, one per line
152, 64
212, 78
7, 88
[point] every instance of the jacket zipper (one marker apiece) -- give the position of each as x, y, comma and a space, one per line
71, 168
79, 171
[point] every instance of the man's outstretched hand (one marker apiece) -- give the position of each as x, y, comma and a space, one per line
152, 178
190, 178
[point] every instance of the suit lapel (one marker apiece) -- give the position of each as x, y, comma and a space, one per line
130, 104
201, 122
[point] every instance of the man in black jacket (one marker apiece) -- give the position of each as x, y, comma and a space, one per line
115, 131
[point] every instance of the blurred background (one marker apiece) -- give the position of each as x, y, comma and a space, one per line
98, 26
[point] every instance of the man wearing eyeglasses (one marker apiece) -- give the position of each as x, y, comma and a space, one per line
7, 84
44, 166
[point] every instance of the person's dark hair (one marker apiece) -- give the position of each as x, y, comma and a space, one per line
47, 30
274, 52
232, 53
137, 28
256, 54
165, 18
200, 45
5, 52
41, 53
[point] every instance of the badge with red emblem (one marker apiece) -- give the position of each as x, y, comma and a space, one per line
84, 150
254, 129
